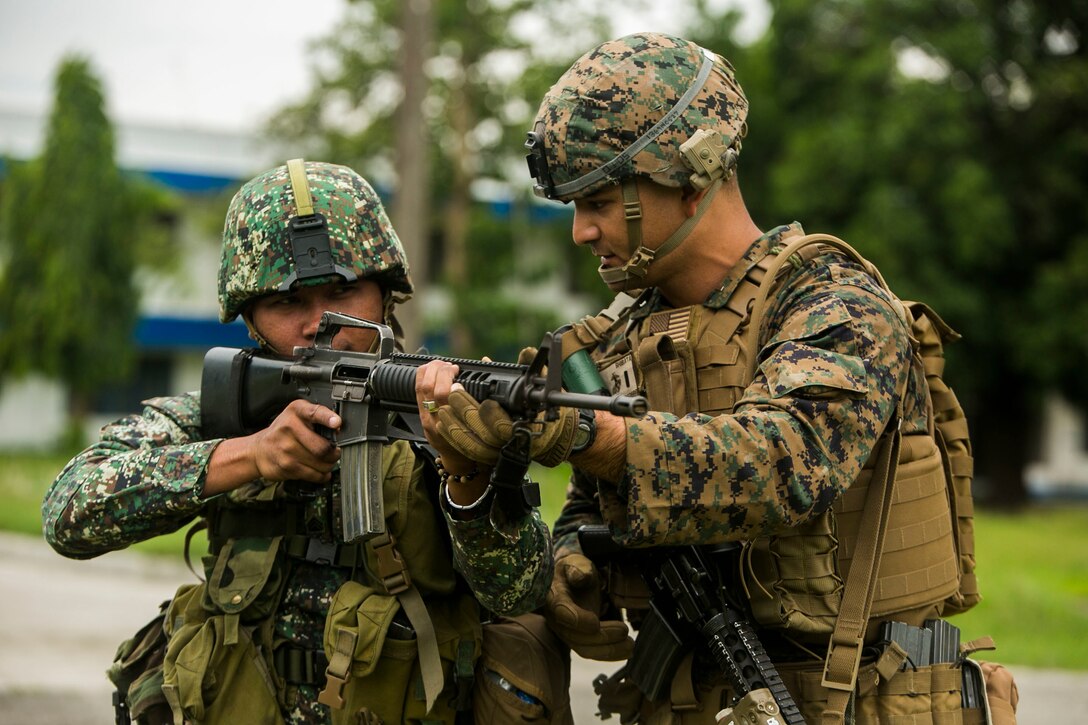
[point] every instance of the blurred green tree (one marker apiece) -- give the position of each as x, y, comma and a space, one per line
486, 68
70, 230
947, 141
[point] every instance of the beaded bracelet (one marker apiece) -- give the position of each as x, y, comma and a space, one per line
446, 477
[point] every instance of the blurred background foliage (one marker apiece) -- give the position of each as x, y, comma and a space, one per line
945, 139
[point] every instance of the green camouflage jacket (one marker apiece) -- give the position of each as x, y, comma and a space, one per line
792, 443
145, 476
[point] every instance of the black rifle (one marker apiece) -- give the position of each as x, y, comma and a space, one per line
243, 390
689, 605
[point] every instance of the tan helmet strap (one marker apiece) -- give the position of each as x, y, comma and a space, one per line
300, 187
634, 271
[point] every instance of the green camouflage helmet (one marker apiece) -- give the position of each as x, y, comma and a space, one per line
626, 107
306, 223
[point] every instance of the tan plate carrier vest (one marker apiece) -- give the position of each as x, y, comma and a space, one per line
901, 551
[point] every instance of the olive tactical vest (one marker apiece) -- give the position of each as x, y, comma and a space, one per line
697, 359
371, 663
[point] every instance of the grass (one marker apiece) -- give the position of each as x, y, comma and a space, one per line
1033, 564
24, 480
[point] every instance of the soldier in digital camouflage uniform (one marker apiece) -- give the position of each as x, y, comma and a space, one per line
755, 431
253, 644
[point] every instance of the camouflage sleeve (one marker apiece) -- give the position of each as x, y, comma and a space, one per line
508, 564
143, 478
834, 355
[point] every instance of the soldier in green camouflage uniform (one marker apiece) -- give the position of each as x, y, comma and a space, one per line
643, 134
156, 472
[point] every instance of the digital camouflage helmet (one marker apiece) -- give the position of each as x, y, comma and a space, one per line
648, 105
307, 223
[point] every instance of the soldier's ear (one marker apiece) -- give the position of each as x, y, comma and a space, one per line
690, 198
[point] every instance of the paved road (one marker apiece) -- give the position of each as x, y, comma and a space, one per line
61, 621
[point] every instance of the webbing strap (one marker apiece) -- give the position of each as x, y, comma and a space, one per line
844, 648
200, 525
641, 257
392, 571
339, 670
589, 331
635, 268
848, 638
394, 575
682, 689
682, 232
772, 274
301, 666
430, 663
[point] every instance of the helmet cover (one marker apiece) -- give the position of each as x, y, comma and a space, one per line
614, 95
258, 256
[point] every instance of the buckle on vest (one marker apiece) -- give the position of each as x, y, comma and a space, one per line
338, 672
391, 568
321, 552
835, 677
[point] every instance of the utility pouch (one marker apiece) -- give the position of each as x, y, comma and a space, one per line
990, 694
211, 654
374, 667
523, 675
929, 695
668, 373
246, 578
137, 673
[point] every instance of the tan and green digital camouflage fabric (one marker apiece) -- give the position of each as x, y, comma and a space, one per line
832, 354
145, 476
257, 257
617, 92
773, 458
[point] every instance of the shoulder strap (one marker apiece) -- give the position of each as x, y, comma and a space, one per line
848, 638
775, 268
589, 331
844, 648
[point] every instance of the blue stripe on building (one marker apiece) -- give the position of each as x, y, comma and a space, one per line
174, 333
193, 183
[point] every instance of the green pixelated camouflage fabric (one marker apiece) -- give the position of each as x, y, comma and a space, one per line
507, 564
257, 257
616, 92
144, 478
833, 352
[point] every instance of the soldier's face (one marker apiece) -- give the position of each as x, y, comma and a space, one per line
600, 222
289, 319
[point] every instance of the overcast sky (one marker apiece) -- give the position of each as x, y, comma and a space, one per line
211, 64
222, 64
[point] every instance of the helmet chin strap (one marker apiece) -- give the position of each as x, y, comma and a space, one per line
633, 272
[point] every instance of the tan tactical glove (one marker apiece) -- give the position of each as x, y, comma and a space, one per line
479, 430
572, 610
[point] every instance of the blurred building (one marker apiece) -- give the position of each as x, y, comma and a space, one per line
179, 318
